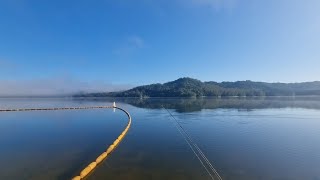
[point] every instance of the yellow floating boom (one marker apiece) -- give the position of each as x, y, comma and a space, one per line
101, 157
105, 154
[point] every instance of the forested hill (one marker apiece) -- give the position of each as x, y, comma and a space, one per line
188, 87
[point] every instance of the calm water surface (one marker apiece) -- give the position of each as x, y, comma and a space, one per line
269, 138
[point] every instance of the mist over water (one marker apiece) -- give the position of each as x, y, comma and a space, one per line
58, 86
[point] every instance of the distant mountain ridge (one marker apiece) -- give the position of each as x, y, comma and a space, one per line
189, 87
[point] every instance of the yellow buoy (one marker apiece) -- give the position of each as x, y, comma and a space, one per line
93, 165
110, 149
76, 178
85, 172
101, 157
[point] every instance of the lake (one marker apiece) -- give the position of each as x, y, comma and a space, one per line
243, 138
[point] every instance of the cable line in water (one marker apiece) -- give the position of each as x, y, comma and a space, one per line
196, 150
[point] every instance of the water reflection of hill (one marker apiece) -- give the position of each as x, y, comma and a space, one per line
197, 104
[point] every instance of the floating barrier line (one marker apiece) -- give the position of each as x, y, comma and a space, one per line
86, 171
56, 109
195, 148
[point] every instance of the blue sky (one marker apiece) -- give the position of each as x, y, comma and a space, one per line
121, 43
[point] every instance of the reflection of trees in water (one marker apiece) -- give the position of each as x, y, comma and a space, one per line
197, 104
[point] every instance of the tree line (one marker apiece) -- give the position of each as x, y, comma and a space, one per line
188, 87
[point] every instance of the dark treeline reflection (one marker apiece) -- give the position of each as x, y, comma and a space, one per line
197, 104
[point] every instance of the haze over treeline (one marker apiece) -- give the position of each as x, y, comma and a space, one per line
188, 87
60, 86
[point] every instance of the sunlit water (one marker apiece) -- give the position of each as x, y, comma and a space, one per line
276, 138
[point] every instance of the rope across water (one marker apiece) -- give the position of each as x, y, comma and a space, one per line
85, 172
196, 150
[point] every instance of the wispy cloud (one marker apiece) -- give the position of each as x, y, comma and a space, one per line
136, 41
130, 45
217, 5
56, 86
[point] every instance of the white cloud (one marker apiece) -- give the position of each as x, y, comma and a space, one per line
130, 45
